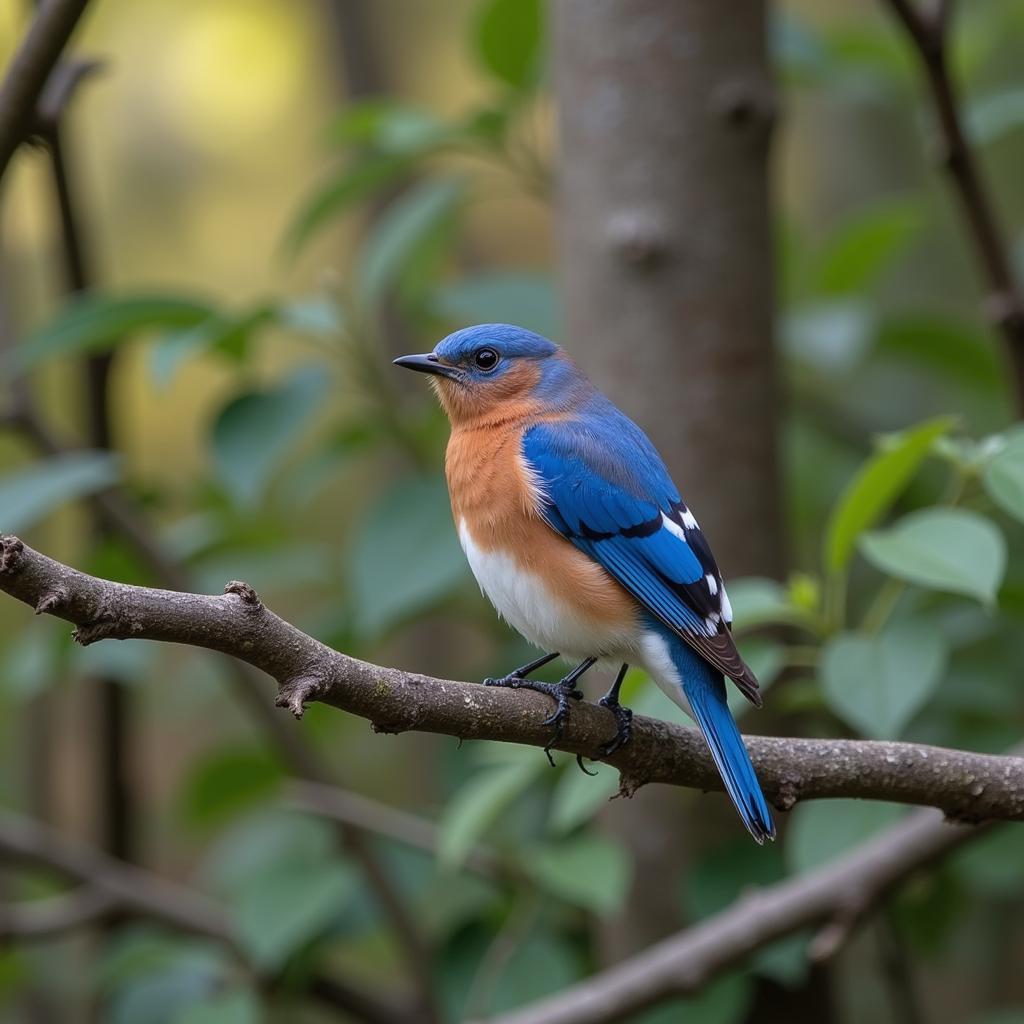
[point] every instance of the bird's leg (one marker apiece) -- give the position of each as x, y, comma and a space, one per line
561, 692
623, 716
515, 677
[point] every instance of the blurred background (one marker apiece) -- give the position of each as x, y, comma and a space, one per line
257, 205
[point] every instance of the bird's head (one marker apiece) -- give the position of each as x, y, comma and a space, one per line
479, 369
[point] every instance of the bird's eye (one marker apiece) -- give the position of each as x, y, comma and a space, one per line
485, 359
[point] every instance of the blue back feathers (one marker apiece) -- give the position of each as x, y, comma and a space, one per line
605, 489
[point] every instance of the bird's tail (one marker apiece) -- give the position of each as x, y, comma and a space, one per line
704, 688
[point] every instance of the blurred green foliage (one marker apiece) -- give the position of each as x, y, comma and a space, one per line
322, 487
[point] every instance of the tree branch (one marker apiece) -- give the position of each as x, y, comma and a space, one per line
115, 508
928, 32
966, 786
379, 819
29, 69
108, 884
122, 885
837, 895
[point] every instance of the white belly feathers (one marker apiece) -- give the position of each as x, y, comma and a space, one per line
524, 601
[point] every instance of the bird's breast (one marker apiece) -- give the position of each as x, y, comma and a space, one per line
548, 590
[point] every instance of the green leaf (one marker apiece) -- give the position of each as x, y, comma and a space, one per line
991, 864
877, 683
254, 431
766, 659
31, 661
878, 483
989, 118
591, 871
866, 245
786, 960
140, 950
829, 336
942, 548
151, 977
238, 1007
401, 233
358, 181
959, 350
476, 806
392, 128
405, 555
759, 601
228, 781
508, 36
540, 964
227, 334
721, 876
317, 314
1003, 475
512, 297
282, 880
29, 494
278, 911
578, 797
265, 842
822, 830
95, 323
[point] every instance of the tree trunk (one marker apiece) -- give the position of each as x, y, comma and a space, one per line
665, 115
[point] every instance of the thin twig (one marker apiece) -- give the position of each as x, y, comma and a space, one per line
124, 885
928, 31
379, 819
29, 69
966, 786
107, 884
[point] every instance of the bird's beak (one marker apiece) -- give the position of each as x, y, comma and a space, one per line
428, 363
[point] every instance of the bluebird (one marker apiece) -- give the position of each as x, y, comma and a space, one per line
577, 535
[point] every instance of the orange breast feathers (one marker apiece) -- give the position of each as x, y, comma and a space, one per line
496, 502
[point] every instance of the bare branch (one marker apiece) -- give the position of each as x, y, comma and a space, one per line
117, 511
838, 894
107, 884
966, 786
378, 819
128, 887
30, 68
928, 31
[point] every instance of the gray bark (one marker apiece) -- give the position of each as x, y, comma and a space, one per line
966, 786
665, 114
666, 109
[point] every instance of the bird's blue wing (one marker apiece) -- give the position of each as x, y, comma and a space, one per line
605, 489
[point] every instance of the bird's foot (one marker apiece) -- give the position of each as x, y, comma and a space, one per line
561, 692
623, 726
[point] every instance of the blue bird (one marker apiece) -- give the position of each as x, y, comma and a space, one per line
577, 535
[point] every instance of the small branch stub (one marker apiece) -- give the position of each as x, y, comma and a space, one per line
10, 551
295, 694
248, 596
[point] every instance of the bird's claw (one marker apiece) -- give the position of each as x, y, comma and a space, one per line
557, 719
511, 680
561, 692
624, 727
